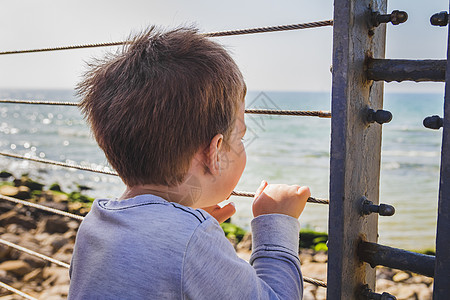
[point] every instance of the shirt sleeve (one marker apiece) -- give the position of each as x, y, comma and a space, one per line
212, 270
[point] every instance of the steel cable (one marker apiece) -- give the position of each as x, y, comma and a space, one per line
59, 164
18, 101
83, 168
34, 253
315, 282
42, 207
211, 34
310, 199
16, 291
319, 113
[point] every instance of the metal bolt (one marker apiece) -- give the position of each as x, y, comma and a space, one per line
380, 116
395, 17
367, 207
433, 122
369, 294
439, 19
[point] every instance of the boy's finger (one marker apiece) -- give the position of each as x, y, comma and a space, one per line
261, 188
305, 190
225, 212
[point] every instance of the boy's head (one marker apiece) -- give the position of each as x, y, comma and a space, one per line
155, 104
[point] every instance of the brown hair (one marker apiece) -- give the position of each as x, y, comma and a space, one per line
154, 104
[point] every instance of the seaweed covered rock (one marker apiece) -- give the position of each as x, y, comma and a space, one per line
54, 224
313, 239
12, 217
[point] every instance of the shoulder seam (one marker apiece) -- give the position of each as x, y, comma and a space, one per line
192, 213
150, 203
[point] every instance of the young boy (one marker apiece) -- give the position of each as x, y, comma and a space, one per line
168, 111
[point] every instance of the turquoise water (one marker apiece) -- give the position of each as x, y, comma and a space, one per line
280, 149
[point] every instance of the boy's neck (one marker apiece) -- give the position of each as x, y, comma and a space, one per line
182, 194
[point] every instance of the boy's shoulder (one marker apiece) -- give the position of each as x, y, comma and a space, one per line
147, 210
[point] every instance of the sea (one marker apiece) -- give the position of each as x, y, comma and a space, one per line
280, 149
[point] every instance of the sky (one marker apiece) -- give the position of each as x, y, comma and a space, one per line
297, 60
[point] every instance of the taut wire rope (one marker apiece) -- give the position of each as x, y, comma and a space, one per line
83, 168
306, 113
34, 253
16, 291
211, 34
42, 207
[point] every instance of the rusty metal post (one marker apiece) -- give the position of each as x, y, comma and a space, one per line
355, 145
441, 288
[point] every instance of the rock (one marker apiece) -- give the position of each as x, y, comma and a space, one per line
321, 293
4, 175
425, 293
4, 251
403, 292
320, 257
233, 241
71, 235
11, 237
56, 275
308, 295
58, 243
56, 205
55, 187
315, 270
55, 224
420, 279
14, 228
12, 217
52, 197
17, 267
306, 255
401, 276
246, 242
75, 207
41, 237
31, 184
245, 255
21, 192
56, 293
66, 250
33, 261
73, 224
5, 278
6, 206
82, 188
383, 285
8, 190
384, 273
34, 275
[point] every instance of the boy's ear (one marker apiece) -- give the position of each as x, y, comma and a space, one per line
213, 154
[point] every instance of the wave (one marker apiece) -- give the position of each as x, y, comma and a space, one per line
412, 153
77, 132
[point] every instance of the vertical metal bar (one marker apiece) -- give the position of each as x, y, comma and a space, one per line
355, 145
442, 267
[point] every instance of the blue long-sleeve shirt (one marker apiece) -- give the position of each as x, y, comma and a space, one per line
148, 248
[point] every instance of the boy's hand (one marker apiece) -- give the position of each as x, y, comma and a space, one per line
221, 214
280, 199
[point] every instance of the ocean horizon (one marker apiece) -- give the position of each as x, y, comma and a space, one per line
280, 149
